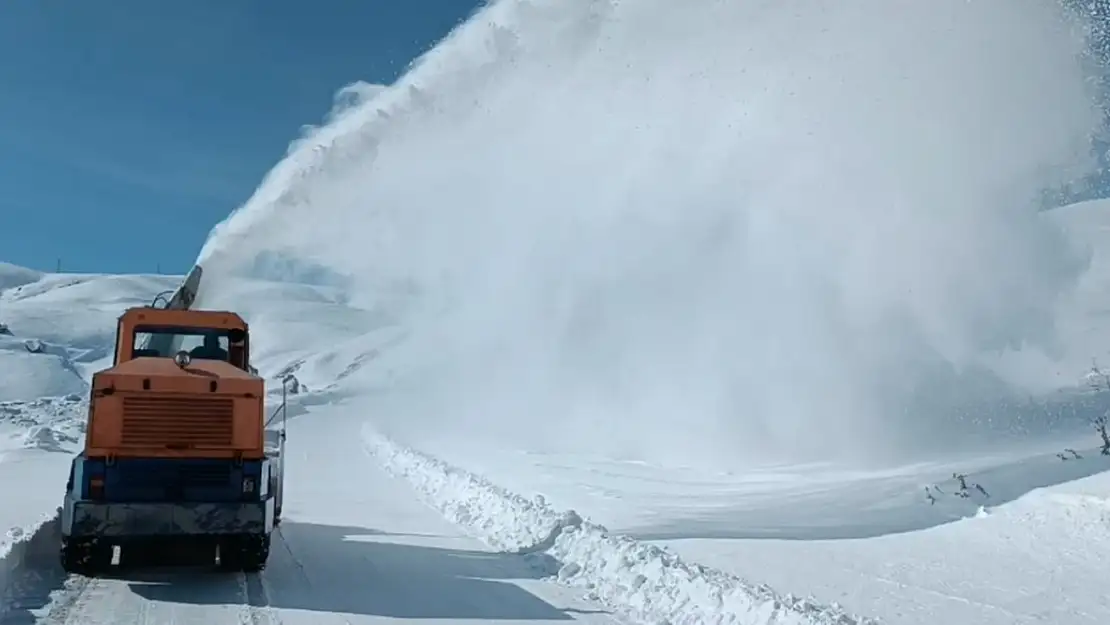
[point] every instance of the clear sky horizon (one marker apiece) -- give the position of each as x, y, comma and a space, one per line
119, 118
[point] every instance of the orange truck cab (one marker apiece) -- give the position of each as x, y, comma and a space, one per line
176, 455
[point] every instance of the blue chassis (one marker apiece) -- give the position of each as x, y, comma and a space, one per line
212, 516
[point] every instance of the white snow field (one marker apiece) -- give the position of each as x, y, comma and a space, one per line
658, 312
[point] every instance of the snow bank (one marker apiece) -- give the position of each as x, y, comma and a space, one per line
15, 541
12, 276
645, 582
24, 552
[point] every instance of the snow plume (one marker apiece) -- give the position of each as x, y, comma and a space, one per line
701, 230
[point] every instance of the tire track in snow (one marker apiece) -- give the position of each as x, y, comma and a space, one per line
68, 600
256, 601
61, 599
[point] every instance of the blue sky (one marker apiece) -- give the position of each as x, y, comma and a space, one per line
124, 117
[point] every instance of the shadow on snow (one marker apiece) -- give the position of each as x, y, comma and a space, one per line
316, 568
359, 571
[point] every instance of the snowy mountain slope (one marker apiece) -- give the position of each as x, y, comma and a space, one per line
12, 276
72, 319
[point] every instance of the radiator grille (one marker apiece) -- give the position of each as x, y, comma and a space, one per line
159, 421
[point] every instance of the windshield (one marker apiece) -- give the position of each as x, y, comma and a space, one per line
164, 342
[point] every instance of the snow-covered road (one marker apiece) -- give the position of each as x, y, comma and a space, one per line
357, 546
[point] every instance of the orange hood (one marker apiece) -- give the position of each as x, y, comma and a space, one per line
163, 375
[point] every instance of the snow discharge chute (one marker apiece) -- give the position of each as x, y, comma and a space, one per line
181, 299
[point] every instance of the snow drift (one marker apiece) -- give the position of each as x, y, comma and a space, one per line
641, 580
12, 276
707, 232
25, 557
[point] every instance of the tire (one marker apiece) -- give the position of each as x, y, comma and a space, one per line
143, 552
245, 552
275, 488
85, 556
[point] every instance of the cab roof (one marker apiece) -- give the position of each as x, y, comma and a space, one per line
212, 319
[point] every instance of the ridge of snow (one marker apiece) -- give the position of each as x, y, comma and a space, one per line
22, 549
12, 276
644, 581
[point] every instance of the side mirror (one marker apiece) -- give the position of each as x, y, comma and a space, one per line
237, 335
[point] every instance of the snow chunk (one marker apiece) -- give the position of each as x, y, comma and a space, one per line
48, 438
49, 423
644, 581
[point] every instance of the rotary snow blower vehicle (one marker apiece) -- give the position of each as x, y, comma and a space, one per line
177, 459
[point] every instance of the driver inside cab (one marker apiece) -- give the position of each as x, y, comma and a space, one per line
210, 350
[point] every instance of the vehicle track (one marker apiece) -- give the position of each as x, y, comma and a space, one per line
162, 595
41, 593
